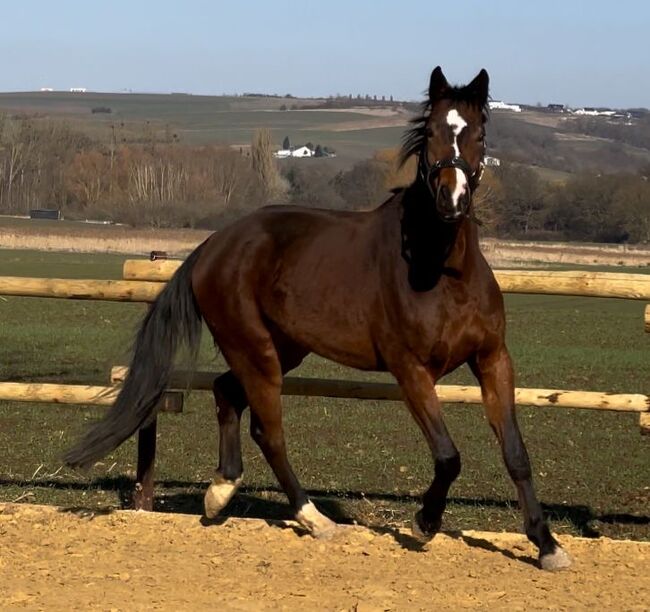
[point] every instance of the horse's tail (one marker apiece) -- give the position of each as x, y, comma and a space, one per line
174, 319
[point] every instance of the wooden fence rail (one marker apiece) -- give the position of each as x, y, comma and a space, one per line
452, 394
578, 283
321, 387
82, 289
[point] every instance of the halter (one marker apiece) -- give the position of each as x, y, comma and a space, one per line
427, 172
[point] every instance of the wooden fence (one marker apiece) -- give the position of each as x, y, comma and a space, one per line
144, 279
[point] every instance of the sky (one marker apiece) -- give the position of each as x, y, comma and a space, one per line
591, 52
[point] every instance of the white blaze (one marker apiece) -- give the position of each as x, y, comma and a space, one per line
457, 123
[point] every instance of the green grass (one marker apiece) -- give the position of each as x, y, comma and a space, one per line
363, 461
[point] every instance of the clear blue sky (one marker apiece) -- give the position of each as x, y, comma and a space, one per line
581, 52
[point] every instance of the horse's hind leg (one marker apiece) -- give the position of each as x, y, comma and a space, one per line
230, 401
259, 368
494, 373
419, 390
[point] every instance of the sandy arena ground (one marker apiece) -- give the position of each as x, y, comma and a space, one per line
62, 560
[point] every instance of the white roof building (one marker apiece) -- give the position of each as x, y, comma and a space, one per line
299, 152
302, 152
498, 104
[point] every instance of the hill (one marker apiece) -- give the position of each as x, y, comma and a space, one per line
553, 143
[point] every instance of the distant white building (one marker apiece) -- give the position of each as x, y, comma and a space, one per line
593, 112
499, 105
78, 90
47, 89
488, 160
299, 152
302, 152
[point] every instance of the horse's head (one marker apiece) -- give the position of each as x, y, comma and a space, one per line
449, 139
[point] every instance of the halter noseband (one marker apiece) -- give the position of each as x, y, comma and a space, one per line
428, 172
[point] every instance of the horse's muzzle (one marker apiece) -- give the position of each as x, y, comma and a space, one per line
449, 210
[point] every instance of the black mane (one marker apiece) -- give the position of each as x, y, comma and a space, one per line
414, 138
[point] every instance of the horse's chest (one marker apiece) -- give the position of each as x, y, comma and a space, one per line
444, 333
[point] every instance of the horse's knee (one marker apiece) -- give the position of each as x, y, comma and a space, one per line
448, 468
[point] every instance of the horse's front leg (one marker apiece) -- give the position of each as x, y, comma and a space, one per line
420, 394
495, 375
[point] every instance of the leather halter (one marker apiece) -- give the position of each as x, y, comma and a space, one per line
428, 172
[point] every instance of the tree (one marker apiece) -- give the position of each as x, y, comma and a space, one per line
319, 151
364, 185
264, 165
312, 185
310, 145
286, 143
522, 207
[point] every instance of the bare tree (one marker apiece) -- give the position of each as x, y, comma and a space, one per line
264, 165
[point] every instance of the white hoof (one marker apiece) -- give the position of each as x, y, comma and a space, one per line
555, 561
219, 493
313, 521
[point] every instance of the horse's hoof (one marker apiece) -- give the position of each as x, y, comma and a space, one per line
219, 493
420, 531
559, 559
318, 525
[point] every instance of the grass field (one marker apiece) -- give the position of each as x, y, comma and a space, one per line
210, 119
363, 461
355, 133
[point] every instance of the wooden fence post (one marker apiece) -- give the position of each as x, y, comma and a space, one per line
644, 423
143, 492
171, 401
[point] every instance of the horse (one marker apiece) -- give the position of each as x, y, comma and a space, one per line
402, 288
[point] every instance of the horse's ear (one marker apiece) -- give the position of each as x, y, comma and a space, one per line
437, 84
478, 88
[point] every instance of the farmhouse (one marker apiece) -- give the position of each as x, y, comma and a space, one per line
488, 160
303, 151
594, 112
499, 105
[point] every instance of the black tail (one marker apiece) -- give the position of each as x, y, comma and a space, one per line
173, 320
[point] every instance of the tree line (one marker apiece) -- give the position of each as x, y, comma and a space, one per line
47, 164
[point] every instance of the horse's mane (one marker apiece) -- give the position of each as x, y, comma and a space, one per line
415, 137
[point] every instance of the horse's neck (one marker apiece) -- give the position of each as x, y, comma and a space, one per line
433, 247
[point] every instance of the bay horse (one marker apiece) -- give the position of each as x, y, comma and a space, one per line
402, 288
